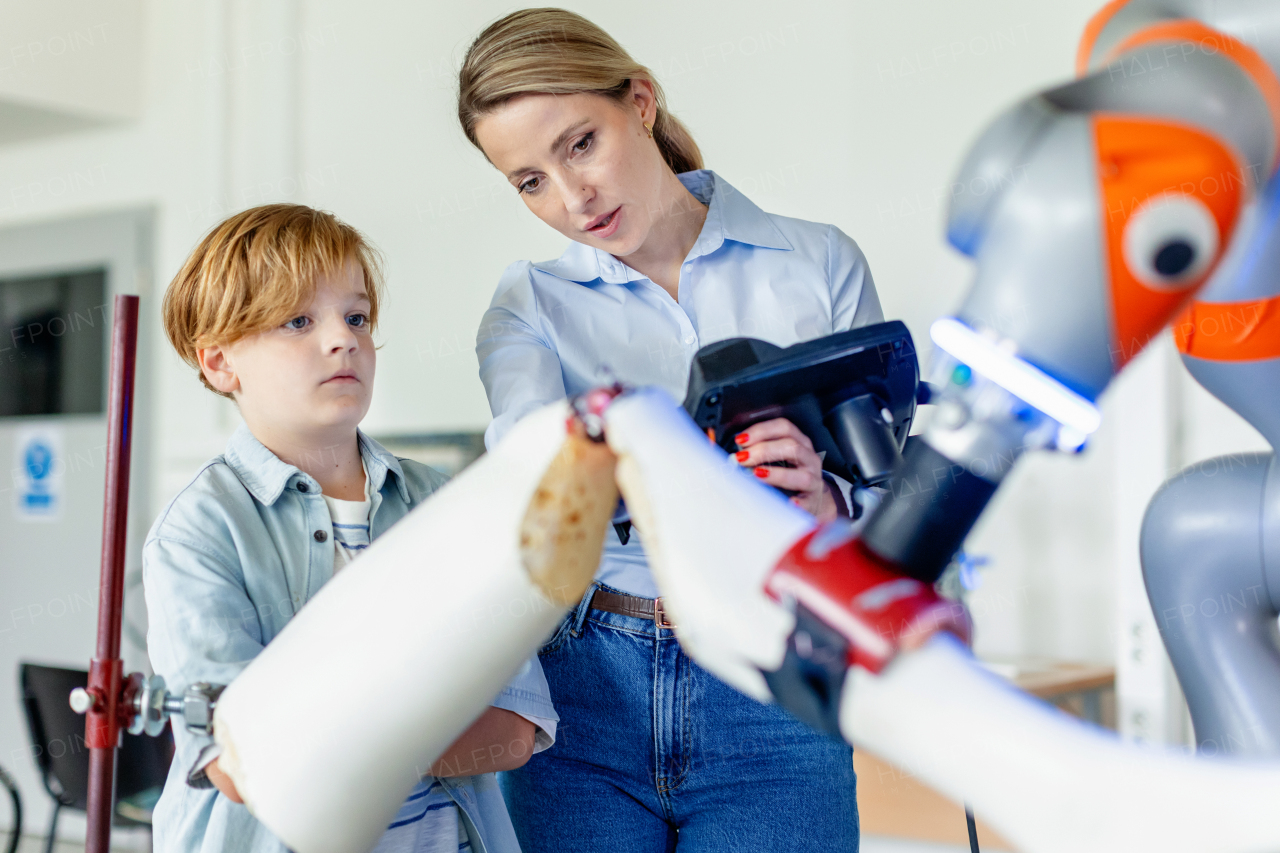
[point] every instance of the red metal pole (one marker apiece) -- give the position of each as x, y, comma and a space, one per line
106, 718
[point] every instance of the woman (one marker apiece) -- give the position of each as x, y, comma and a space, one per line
664, 258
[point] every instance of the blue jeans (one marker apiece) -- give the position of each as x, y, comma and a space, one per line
654, 754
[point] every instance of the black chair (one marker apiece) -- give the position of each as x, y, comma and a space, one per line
62, 756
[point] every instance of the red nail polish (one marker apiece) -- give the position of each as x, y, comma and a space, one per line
741, 438
762, 472
743, 455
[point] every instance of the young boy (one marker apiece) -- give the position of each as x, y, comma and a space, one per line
276, 309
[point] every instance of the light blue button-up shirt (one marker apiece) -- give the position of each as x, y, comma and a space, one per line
225, 567
561, 327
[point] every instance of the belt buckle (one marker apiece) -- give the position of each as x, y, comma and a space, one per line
660, 615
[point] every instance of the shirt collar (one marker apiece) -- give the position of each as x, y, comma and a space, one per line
266, 475
731, 216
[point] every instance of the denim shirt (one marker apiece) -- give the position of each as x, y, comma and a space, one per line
229, 561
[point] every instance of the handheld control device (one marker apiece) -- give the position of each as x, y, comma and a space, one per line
853, 393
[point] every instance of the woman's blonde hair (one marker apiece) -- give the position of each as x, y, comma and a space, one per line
556, 52
255, 270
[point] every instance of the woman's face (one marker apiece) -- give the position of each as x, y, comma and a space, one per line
584, 164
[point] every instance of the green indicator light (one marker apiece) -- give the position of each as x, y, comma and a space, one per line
961, 375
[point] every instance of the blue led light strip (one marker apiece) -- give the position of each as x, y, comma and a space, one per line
1016, 376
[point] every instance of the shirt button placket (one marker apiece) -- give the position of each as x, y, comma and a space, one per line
690, 336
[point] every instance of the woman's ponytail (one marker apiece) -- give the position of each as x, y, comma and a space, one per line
676, 143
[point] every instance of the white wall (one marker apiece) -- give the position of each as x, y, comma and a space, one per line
855, 113
81, 58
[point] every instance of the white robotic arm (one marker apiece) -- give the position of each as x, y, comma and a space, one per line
333, 723
884, 659
1111, 201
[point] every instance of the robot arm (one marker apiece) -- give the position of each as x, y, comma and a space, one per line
782, 608
326, 731
1106, 205
1100, 221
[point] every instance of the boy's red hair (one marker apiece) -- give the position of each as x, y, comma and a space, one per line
255, 270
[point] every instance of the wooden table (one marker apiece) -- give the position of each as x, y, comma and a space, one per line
1083, 689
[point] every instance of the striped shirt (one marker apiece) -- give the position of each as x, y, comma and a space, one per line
350, 526
428, 822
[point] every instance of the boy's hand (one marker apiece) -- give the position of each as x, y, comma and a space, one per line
499, 740
223, 782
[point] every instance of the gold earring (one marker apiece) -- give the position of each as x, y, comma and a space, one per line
649, 129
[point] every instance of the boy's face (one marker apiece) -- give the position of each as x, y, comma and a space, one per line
311, 376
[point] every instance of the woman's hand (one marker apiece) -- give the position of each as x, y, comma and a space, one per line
779, 440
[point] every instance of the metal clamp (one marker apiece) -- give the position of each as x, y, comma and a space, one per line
149, 705
197, 705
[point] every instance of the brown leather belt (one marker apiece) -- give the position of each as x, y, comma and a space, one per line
631, 605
